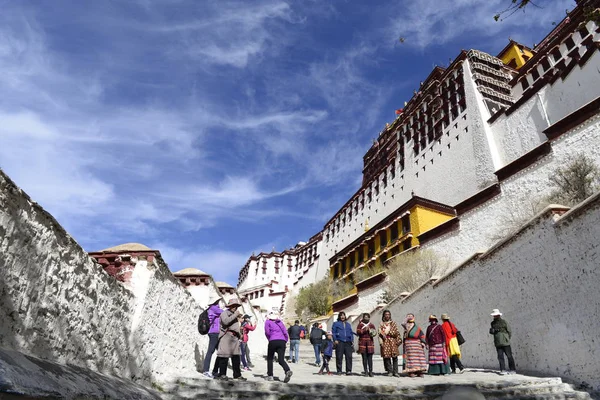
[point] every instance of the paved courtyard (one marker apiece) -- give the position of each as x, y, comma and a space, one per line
306, 383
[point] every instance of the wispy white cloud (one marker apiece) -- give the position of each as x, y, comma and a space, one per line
431, 22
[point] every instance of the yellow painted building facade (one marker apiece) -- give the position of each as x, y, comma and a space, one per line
515, 55
396, 234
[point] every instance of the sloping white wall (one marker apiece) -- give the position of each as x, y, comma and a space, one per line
56, 303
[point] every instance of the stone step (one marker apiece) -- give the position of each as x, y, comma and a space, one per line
210, 389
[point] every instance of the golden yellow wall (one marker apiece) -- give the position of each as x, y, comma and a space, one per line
515, 52
424, 219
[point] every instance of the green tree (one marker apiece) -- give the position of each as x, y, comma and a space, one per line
313, 300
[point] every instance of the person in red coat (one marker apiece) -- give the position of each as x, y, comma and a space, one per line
366, 345
247, 327
452, 344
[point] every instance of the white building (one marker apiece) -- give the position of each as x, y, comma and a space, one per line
267, 279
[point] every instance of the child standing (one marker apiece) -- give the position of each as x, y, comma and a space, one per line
327, 351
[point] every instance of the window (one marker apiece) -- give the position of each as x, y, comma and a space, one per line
383, 238
570, 43
406, 244
352, 261
535, 74
556, 54
369, 198
405, 224
361, 255
545, 64
394, 232
371, 250
383, 257
524, 84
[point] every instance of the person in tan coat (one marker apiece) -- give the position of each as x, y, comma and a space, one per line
229, 341
390, 340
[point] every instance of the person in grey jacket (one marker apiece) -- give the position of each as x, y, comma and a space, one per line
229, 341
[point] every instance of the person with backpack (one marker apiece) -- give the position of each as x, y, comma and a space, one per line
229, 341
208, 324
247, 327
277, 336
316, 339
294, 333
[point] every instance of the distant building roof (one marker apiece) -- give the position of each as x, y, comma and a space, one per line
223, 285
128, 247
189, 272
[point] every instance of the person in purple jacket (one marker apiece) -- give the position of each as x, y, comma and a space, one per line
214, 311
277, 335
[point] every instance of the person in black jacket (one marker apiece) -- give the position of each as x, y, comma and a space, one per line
316, 339
294, 334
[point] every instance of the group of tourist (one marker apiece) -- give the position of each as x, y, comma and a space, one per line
440, 341
228, 335
229, 330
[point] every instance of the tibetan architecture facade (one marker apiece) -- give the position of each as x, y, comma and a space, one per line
267, 278
468, 128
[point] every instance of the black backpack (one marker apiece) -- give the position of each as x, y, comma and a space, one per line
203, 322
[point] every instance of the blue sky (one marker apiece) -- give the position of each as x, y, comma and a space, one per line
209, 130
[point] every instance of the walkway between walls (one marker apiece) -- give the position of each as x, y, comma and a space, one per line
307, 384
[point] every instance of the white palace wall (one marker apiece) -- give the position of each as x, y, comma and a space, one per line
521, 131
545, 281
56, 303
482, 226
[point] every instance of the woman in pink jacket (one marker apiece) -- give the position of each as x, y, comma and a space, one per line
247, 327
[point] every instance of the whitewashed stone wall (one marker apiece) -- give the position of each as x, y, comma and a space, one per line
482, 226
544, 280
57, 304
521, 131
452, 169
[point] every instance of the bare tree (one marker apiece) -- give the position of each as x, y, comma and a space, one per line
410, 270
513, 217
575, 182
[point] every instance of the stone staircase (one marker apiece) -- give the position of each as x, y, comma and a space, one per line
474, 384
535, 388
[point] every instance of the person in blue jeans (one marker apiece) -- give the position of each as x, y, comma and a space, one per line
214, 312
294, 334
327, 349
316, 339
343, 338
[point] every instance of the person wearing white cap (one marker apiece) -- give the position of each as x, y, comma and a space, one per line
502, 335
277, 336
